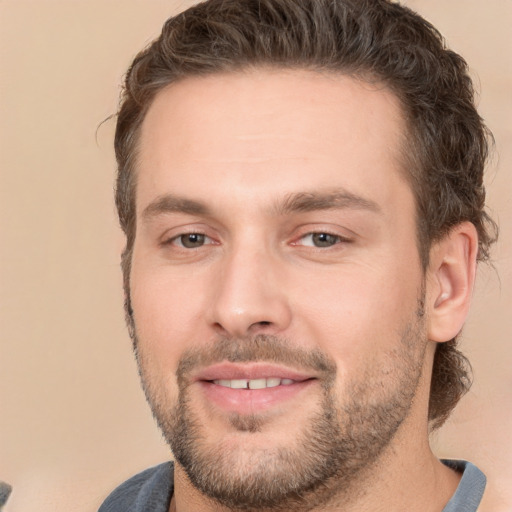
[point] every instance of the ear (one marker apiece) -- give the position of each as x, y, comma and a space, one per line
450, 280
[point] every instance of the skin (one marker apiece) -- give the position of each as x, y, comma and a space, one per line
236, 148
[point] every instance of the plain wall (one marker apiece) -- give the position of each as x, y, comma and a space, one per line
73, 421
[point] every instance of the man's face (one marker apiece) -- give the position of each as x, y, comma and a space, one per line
276, 283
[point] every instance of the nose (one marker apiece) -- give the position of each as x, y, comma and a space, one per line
250, 295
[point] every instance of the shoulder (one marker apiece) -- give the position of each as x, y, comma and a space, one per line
149, 490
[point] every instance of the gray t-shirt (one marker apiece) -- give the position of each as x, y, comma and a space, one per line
151, 490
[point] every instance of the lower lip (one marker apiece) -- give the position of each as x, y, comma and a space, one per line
250, 401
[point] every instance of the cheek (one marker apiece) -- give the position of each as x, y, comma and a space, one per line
357, 312
167, 313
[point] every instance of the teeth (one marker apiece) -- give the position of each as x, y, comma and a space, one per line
271, 382
258, 384
238, 384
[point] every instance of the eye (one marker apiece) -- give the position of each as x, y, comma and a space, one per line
320, 240
191, 240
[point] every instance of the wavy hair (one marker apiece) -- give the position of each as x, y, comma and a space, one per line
380, 41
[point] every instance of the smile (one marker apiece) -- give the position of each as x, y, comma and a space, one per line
262, 383
250, 387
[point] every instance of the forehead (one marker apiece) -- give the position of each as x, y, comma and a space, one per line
262, 133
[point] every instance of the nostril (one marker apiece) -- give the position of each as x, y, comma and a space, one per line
263, 325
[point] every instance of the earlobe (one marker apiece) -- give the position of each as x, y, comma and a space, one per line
450, 280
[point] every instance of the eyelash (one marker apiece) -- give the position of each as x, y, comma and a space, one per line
174, 239
338, 240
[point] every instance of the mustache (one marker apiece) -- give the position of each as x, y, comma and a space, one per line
260, 348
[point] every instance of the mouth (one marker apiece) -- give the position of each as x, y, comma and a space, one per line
251, 388
264, 383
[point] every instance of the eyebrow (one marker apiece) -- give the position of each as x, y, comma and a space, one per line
325, 200
170, 203
292, 203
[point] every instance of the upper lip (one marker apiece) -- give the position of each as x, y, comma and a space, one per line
249, 371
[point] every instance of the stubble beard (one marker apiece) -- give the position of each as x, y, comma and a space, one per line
330, 452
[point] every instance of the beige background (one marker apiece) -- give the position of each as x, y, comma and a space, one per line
73, 422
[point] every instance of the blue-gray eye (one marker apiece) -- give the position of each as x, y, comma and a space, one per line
192, 240
324, 239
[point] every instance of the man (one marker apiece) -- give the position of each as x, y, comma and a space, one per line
300, 185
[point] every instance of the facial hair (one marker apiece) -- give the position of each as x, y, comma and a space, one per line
329, 451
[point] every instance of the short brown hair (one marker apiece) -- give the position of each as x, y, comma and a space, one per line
376, 40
